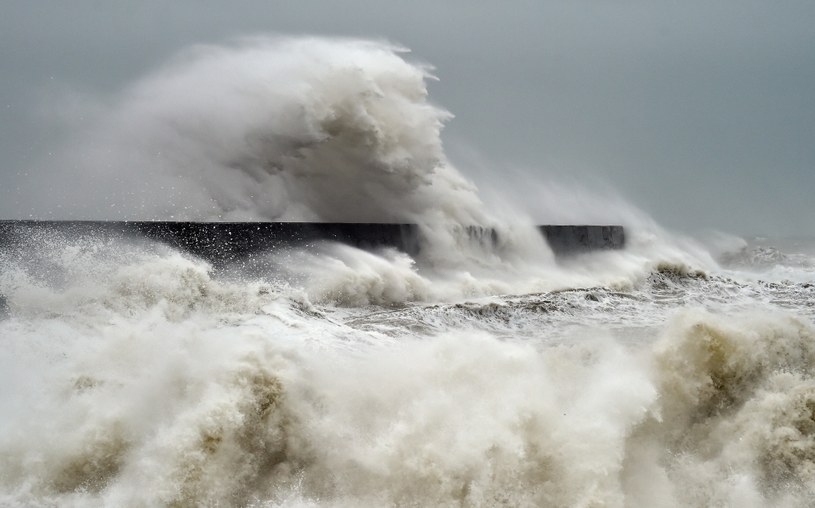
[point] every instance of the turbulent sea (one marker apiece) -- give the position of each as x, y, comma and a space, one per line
675, 372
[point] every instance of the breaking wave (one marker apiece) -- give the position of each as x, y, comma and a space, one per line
271, 128
158, 384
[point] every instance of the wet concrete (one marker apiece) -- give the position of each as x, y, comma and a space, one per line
222, 241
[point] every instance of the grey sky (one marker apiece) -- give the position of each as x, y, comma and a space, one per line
702, 113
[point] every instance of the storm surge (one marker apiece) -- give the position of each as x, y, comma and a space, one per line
144, 380
673, 373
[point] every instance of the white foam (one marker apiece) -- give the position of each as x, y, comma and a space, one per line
170, 386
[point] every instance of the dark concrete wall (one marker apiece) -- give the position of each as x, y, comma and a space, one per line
573, 239
222, 241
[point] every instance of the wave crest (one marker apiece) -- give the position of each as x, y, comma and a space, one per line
273, 128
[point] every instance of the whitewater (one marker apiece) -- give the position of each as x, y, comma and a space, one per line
679, 371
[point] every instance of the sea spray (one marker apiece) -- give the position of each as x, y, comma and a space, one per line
270, 128
280, 128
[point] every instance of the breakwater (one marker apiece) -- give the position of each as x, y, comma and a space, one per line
220, 241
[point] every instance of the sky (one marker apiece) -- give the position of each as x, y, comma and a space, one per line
700, 113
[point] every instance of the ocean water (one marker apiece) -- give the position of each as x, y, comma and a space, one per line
679, 371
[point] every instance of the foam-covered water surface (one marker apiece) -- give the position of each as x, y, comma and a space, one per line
137, 375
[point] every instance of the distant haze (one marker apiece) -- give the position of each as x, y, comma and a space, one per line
700, 113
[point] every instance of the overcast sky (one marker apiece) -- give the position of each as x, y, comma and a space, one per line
702, 113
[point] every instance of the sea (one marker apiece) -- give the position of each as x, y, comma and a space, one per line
678, 371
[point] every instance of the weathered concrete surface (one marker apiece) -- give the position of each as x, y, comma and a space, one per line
573, 239
223, 241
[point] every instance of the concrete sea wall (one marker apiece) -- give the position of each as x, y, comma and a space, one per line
223, 241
